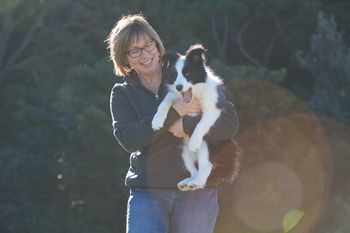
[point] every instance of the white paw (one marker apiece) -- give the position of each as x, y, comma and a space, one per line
183, 184
194, 144
158, 122
190, 184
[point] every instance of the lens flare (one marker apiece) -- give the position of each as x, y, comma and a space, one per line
286, 177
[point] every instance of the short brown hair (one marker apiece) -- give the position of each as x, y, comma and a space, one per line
120, 37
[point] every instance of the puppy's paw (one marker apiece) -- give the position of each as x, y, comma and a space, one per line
194, 144
195, 184
183, 184
158, 122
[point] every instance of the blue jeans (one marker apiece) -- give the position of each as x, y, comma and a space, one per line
171, 211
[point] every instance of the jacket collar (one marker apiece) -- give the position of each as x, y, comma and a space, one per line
134, 79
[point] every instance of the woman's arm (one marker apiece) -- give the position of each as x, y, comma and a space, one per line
132, 133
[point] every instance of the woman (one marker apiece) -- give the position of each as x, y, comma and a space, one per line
155, 204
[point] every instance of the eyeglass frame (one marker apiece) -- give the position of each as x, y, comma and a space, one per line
150, 42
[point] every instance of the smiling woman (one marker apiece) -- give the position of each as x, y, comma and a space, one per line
143, 57
131, 32
155, 204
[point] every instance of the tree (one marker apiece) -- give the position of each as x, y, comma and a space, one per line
17, 31
329, 62
254, 29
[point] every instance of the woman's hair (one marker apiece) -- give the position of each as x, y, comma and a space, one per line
120, 38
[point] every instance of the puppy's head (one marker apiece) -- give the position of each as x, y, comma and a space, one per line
184, 72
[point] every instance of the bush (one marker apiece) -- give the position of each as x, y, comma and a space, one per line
247, 72
329, 62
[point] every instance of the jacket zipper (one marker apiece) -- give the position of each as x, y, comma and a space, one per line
156, 95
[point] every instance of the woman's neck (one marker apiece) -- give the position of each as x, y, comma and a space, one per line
151, 82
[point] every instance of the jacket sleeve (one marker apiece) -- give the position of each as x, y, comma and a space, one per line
225, 127
133, 134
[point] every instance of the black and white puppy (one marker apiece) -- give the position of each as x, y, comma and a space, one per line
189, 77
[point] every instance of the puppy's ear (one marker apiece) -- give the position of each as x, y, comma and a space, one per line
169, 58
196, 53
168, 70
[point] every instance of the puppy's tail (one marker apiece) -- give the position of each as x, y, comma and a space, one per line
227, 158
237, 162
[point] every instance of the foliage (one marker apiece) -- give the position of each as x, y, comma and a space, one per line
248, 72
329, 62
61, 168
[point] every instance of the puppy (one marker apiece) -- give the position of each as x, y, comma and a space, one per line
189, 77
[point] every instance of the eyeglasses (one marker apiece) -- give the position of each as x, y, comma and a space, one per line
135, 53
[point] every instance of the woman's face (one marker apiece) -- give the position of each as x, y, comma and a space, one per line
143, 55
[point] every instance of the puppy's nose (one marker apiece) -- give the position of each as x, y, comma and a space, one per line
179, 87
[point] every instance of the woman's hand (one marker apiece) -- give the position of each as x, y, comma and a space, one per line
183, 108
177, 129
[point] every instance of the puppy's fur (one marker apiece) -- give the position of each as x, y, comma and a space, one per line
188, 77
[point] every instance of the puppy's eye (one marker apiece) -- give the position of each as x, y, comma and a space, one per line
187, 74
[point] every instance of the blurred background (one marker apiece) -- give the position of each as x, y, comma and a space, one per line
286, 67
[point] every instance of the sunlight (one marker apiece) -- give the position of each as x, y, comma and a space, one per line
286, 178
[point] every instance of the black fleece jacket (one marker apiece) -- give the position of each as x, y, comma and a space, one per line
155, 160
